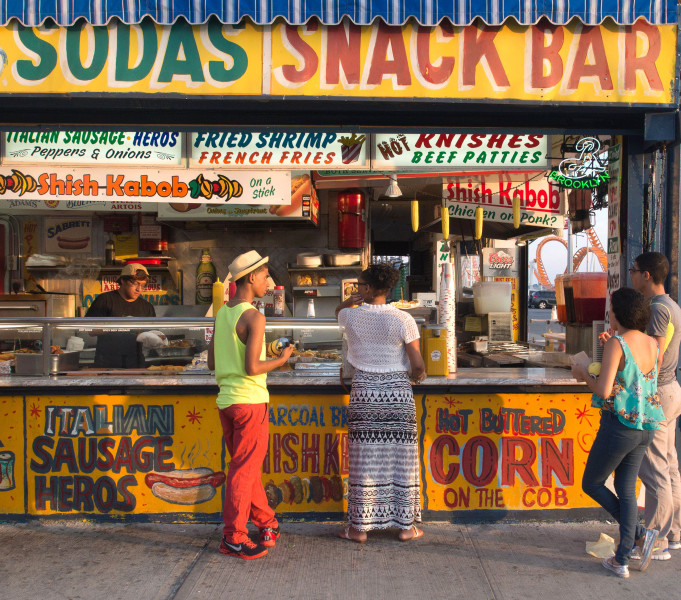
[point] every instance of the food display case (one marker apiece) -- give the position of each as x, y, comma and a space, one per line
169, 345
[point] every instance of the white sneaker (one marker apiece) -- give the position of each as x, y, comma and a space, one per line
647, 547
660, 555
619, 570
674, 545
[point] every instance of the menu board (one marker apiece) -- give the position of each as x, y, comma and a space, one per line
93, 147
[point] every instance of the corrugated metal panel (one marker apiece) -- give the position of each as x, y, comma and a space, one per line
394, 12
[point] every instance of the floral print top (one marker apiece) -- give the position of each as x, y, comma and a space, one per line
634, 394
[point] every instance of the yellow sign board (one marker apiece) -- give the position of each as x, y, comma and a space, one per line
608, 63
506, 451
118, 455
164, 455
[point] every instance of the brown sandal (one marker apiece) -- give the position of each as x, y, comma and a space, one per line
344, 534
417, 533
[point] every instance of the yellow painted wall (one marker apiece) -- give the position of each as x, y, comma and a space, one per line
109, 455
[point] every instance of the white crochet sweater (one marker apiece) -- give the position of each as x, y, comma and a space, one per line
377, 334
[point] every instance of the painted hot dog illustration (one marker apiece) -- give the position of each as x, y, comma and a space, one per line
300, 186
185, 486
73, 243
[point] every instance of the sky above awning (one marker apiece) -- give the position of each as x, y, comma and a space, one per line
394, 12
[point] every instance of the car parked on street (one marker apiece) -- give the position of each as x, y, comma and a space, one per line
540, 299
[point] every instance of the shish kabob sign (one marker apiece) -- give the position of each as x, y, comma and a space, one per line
166, 185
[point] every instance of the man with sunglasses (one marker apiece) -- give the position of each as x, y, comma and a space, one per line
660, 469
121, 350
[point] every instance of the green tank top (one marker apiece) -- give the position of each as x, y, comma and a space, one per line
236, 387
634, 397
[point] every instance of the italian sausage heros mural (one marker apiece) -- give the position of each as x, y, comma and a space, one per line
118, 455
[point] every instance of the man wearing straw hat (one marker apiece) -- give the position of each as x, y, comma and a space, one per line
237, 353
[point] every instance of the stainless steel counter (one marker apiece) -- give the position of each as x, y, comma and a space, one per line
464, 377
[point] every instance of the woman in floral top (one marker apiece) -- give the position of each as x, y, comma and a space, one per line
626, 393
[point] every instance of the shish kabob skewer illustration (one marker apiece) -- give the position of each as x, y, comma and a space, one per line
222, 188
18, 183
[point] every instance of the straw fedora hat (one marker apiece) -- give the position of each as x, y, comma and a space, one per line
244, 264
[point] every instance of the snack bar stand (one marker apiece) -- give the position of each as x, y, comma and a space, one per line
284, 131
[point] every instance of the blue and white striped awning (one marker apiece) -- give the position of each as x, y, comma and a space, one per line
394, 12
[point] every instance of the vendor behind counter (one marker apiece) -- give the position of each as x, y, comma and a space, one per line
122, 350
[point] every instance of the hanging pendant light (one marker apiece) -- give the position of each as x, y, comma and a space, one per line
393, 190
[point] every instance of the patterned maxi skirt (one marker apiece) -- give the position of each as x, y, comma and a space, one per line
383, 483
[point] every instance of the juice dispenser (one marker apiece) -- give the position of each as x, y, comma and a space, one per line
570, 316
589, 290
560, 299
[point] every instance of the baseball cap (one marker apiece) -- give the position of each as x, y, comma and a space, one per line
131, 269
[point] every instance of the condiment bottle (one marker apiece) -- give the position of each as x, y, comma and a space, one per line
436, 353
310, 309
109, 252
279, 301
205, 277
218, 296
278, 345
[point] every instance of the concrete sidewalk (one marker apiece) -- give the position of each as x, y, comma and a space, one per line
524, 561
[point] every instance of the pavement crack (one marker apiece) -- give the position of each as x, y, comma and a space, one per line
497, 594
177, 586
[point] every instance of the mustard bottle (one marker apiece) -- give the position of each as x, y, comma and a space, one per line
218, 296
436, 354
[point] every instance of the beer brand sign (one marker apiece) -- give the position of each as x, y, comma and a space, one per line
499, 262
539, 63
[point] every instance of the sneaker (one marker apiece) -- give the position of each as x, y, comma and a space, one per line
635, 553
674, 545
619, 570
660, 555
647, 547
268, 536
247, 550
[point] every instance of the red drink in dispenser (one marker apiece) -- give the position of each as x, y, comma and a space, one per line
589, 291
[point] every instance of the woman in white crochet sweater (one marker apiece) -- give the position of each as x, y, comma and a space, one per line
383, 346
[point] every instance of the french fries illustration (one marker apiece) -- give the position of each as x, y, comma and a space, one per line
222, 188
18, 183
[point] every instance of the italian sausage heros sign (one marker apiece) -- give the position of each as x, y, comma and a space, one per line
83, 147
118, 455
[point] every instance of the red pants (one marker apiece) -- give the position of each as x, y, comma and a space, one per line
245, 428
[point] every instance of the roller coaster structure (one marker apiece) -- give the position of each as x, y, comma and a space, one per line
595, 248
